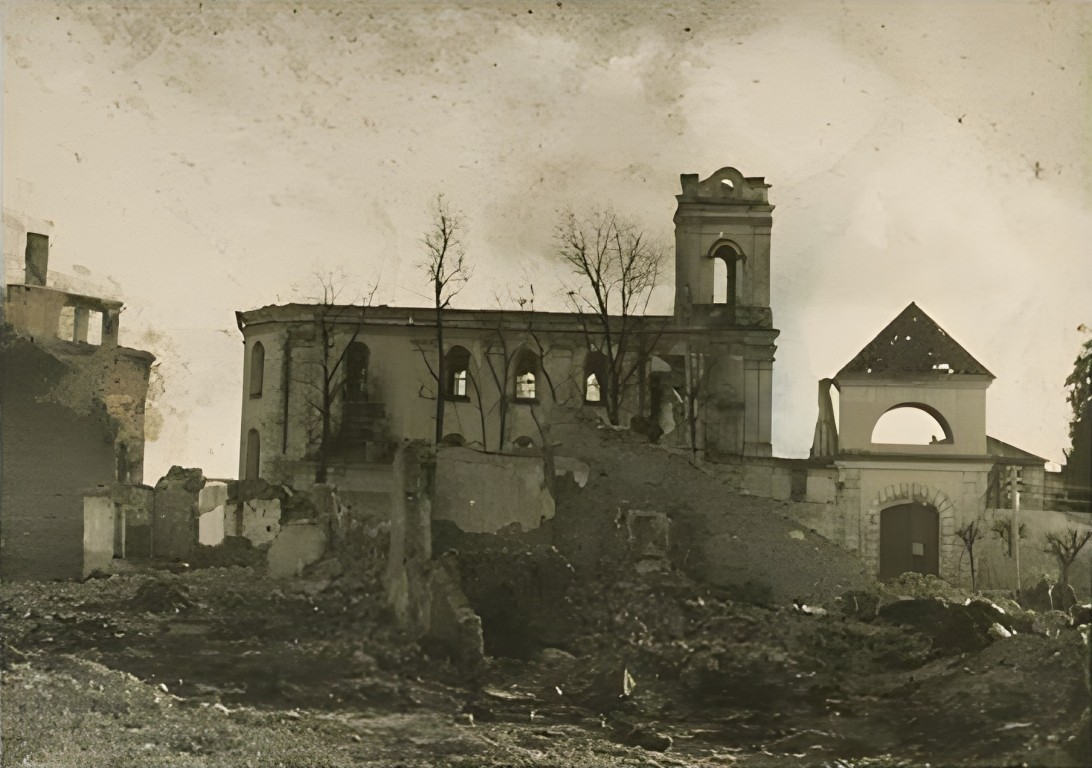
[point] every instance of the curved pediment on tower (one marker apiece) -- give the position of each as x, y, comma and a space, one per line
727, 185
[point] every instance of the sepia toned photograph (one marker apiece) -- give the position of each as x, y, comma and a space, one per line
581, 383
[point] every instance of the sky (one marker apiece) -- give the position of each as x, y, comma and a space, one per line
198, 158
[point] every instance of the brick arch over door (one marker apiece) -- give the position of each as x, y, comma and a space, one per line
913, 493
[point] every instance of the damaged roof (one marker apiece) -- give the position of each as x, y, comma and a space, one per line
913, 343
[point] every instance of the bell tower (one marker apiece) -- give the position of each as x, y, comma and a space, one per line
722, 301
722, 251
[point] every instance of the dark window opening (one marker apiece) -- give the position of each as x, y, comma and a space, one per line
453, 439
257, 369
457, 373
357, 358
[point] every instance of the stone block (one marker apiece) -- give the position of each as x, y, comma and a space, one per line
296, 546
758, 480
98, 533
821, 488
175, 513
781, 484
210, 527
261, 520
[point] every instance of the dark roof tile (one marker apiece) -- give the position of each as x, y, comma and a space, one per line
913, 343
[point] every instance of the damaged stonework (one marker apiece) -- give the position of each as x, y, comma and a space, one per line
297, 545
483, 492
426, 596
174, 526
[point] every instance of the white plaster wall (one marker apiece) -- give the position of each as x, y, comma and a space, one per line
482, 493
261, 520
963, 405
98, 533
210, 527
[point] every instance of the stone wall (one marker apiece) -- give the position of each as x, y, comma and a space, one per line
996, 564
484, 492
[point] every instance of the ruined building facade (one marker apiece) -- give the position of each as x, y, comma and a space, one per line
902, 504
704, 373
72, 416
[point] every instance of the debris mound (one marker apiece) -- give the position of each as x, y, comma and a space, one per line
162, 597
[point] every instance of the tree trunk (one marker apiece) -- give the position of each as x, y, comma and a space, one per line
440, 374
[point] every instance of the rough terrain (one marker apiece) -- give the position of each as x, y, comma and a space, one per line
598, 655
223, 667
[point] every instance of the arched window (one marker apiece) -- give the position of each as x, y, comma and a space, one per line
911, 424
727, 263
457, 374
253, 455
357, 357
526, 376
257, 369
595, 377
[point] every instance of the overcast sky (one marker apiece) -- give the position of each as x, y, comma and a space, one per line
201, 158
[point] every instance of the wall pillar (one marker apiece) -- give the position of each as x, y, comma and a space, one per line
80, 324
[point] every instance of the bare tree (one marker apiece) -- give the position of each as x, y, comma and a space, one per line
618, 268
324, 387
969, 534
1065, 546
445, 264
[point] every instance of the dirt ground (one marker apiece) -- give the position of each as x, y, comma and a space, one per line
786, 652
224, 667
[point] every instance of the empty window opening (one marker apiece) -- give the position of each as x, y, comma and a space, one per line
253, 455
727, 264
457, 373
523, 441
595, 377
911, 425
453, 439
257, 369
526, 375
592, 393
66, 324
728, 183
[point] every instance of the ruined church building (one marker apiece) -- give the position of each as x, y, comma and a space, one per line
704, 380
503, 365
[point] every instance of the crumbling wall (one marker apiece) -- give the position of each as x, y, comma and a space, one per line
51, 453
174, 520
484, 492
135, 505
98, 534
426, 596
411, 537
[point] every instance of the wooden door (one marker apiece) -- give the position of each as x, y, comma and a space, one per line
909, 540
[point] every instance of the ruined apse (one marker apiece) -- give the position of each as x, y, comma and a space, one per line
704, 379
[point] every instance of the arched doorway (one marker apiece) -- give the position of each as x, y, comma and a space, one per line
909, 540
